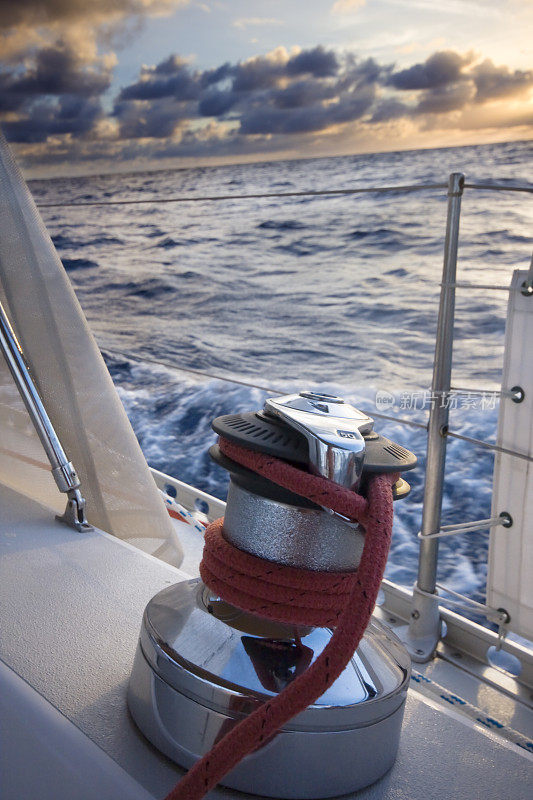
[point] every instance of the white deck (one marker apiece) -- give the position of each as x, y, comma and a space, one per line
71, 607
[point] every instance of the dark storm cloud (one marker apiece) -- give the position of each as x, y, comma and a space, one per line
46, 117
258, 73
390, 109
307, 119
270, 102
217, 103
171, 78
495, 83
273, 94
217, 75
55, 70
311, 91
445, 98
318, 62
303, 93
438, 70
46, 12
158, 121
54, 94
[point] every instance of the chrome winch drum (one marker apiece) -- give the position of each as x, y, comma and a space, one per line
202, 665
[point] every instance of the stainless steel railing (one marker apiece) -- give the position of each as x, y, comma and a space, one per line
425, 625
442, 375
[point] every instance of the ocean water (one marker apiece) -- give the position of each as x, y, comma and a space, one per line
336, 293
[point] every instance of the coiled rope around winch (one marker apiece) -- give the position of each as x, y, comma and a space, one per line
343, 600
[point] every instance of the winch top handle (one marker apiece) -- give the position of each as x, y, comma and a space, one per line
334, 432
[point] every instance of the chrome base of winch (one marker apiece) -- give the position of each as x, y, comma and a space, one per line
202, 665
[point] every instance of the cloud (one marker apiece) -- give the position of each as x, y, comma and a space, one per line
212, 76
160, 120
56, 93
389, 109
25, 24
53, 76
347, 6
303, 93
279, 93
443, 99
50, 12
448, 81
262, 72
217, 103
256, 22
281, 101
438, 70
161, 102
69, 115
319, 62
57, 70
171, 78
496, 83
305, 120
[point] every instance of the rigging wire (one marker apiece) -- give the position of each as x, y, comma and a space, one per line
199, 372
253, 196
489, 446
304, 193
217, 376
277, 391
489, 286
499, 187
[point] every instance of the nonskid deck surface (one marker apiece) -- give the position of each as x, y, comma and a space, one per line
71, 606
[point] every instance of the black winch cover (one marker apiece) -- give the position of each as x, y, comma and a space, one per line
266, 434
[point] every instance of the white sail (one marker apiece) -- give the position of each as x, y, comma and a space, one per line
74, 384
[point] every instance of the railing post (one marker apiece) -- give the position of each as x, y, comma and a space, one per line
424, 627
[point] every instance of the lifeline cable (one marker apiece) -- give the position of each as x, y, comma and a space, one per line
492, 187
295, 597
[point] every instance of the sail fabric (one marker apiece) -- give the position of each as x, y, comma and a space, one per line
74, 384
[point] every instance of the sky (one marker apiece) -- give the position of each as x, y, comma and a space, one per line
103, 85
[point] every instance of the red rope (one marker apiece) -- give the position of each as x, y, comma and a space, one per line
315, 488
344, 601
284, 594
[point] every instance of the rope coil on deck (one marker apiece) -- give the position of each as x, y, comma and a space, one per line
343, 601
